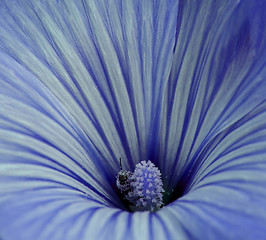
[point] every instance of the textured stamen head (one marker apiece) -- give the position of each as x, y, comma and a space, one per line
144, 187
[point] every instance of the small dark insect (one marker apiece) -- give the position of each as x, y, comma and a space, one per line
123, 180
123, 177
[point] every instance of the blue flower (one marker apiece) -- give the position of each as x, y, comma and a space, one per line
180, 83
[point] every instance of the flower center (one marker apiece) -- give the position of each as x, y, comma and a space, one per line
143, 188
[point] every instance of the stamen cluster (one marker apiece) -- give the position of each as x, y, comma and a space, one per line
143, 188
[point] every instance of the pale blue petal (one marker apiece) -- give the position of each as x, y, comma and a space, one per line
225, 192
214, 152
85, 87
81, 84
108, 61
42, 142
217, 78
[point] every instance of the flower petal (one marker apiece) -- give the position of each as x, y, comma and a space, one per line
39, 138
73, 81
108, 61
226, 194
215, 124
225, 48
